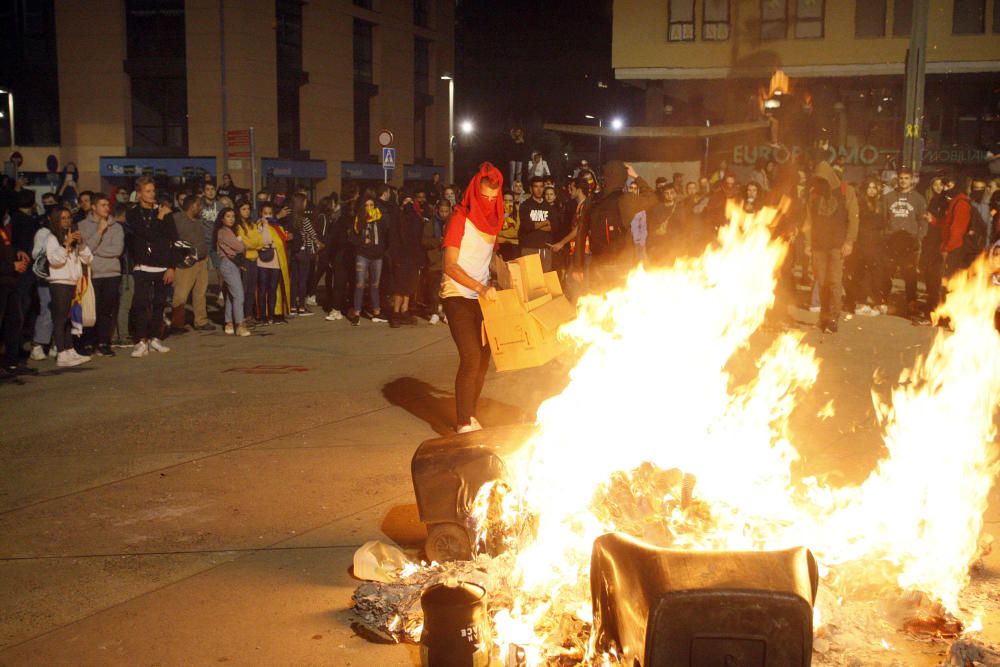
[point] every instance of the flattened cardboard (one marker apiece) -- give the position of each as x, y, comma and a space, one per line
527, 278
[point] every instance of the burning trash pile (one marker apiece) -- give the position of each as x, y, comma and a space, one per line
655, 437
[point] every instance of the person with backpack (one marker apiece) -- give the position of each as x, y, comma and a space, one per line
831, 229
964, 234
106, 240
605, 227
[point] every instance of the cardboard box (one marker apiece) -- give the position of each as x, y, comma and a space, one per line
521, 325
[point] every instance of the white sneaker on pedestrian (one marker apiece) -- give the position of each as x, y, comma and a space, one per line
65, 359
157, 344
37, 353
467, 428
220, 300
311, 301
53, 352
141, 349
242, 330
378, 318
434, 319
229, 329
475, 423
77, 355
863, 309
334, 316
883, 308
814, 309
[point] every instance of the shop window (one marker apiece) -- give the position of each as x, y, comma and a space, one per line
773, 19
809, 19
422, 13
715, 21
681, 21
969, 17
869, 18
902, 16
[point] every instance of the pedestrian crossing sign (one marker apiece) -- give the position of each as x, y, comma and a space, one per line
388, 158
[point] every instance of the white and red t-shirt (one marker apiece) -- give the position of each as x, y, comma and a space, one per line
475, 251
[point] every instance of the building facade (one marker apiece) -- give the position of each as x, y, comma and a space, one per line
172, 88
843, 67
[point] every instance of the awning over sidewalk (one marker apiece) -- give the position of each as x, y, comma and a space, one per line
131, 167
657, 132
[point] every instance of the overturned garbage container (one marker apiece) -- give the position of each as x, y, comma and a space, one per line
666, 608
447, 474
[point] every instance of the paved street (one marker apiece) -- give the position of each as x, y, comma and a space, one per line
203, 506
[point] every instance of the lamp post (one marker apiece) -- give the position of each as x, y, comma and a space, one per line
600, 123
10, 114
451, 125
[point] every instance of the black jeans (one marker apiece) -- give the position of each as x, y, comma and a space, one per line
106, 298
11, 320
268, 280
301, 261
250, 280
150, 297
931, 266
62, 300
432, 290
900, 254
465, 320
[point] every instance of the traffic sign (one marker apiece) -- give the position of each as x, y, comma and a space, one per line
388, 158
385, 138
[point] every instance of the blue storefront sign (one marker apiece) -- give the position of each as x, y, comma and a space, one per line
302, 169
361, 171
168, 167
421, 172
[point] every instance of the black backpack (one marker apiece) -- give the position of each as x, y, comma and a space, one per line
608, 235
974, 242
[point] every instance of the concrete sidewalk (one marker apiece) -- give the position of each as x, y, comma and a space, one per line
203, 506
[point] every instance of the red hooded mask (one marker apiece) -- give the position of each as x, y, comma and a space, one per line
487, 216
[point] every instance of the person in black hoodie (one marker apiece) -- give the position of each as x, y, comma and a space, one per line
408, 257
341, 254
863, 264
152, 235
13, 264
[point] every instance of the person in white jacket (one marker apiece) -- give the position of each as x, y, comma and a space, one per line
67, 255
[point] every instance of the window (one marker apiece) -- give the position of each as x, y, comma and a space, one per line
715, 21
421, 65
30, 70
809, 19
288, 33
363, 51
773, 19
362, 123
869, 18
363, 4
969, 17
902, 16
422, 13
419, 132
156, 63
996, 15
680, 21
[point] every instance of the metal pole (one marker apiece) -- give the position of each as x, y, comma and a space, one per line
916, 62
451, 131
253, 165
600, 140
10, 112
222, 68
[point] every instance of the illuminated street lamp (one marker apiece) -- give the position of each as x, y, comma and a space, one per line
451, 125
467, 127
617, 124
10, 114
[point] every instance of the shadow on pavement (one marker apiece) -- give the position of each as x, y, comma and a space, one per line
403, 526
437, 407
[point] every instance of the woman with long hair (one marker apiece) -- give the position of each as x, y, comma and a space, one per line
272, 266
67, 255
249, 232
863, 283
230, 249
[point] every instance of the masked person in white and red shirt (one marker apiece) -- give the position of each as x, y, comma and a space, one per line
469, 244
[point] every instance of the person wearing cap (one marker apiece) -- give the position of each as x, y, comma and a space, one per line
906, 228
606, 225
469, 245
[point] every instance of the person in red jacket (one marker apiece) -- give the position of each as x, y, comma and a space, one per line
953, 229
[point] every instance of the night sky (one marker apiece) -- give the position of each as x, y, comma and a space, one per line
528, 62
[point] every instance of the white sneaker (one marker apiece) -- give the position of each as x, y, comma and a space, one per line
37, 353
468, 428
242, 330
378, 318
77, 355
229, 329
220, 300
864, 309
140, 349
157, 344
434, 319
814, 309
311, 301
65, 359
883, 308
334, 316
53, 352
475, 424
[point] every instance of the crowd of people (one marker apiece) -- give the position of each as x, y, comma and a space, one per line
92, 272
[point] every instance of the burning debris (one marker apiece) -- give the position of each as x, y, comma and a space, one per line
542, 500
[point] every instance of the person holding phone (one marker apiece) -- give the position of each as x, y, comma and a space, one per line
153, 234
67, 255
